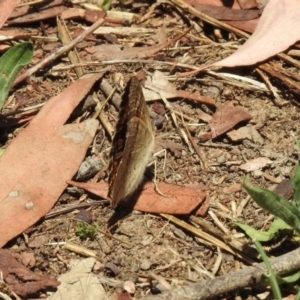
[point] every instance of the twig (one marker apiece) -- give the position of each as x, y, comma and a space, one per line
249, 276
199, 233
201, 270
208, 19
60, 51
161, 280
218, 222
279, 102
65, 37
68, 209
115, 238
227, 239
243, 203
82, 250
125, 61
199, 152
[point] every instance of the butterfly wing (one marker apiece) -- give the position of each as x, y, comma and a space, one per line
132, 144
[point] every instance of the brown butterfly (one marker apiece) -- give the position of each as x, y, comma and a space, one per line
132, 144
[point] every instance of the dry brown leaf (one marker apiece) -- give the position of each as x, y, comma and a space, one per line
43, 156
177, 200
98, 188
231, 14
175, 148
20, 279
113, 52
73, 12
158, 86
247, 4
226, 118
15, 34
38, 241
93, 15
19, 11
248, 26
225, 13
39, 16
202, 211
124, 296
28, 259
255, 164
234, 4
235, 187
6, 8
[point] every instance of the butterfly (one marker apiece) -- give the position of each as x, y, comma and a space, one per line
132, 144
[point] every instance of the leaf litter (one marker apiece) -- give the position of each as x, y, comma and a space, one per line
44, 156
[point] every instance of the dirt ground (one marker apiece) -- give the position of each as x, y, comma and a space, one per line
147, 249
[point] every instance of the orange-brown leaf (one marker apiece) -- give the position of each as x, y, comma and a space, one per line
174, 199
37, 164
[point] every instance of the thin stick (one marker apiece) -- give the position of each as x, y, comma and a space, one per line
125, 61
199, 233
208, 19
59, 52
199, 152
250, 276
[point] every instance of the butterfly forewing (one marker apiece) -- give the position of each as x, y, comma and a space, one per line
132, 144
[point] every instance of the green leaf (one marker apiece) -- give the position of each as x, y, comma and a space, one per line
271, 276
107, 4
298, 144
265, 236
85, 231
293, 278
296, 186
274, 204
11, 63
261, 236
296, 178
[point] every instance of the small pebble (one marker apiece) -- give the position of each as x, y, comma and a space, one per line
129, 287
257, 173
135, 268
221, 159
161, 288
145, 265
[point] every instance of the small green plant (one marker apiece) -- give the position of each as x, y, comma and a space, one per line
271, 277
278, 227
288, 220
86, 231
280, 207
11, 63
107, 4
274, 280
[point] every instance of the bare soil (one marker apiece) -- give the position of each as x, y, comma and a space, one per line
144, 244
